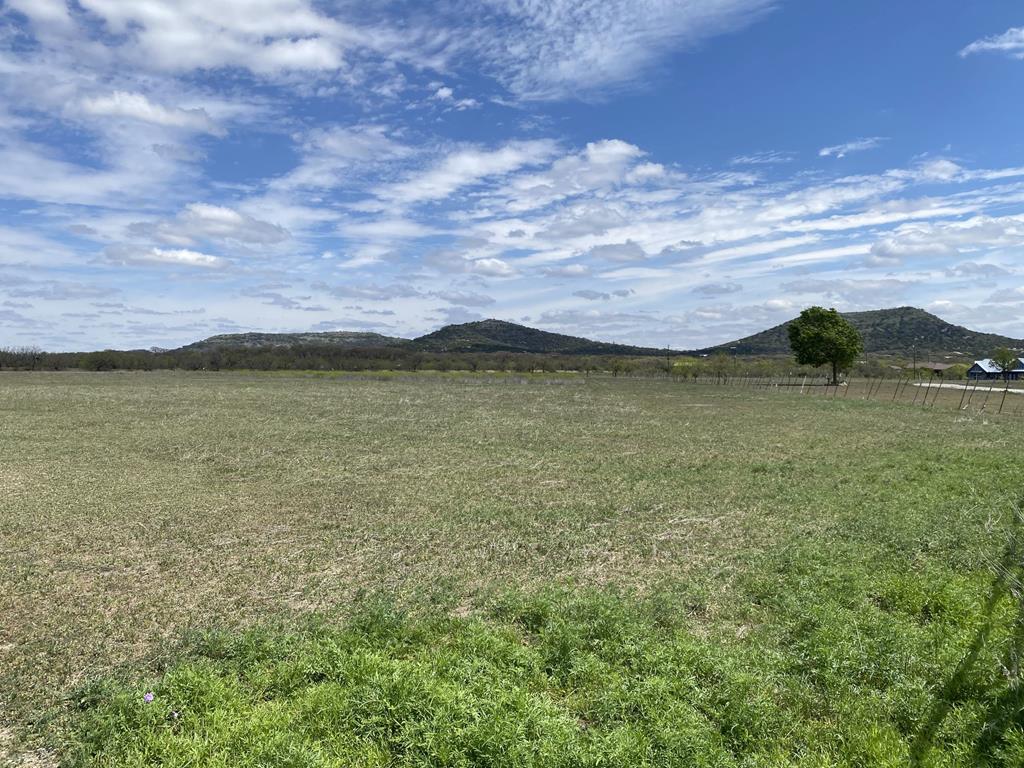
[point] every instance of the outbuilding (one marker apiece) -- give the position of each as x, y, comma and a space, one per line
987, 369
936, 369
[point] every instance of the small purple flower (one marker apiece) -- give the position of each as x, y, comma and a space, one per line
148, 697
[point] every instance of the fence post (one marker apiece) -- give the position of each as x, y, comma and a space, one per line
988, 394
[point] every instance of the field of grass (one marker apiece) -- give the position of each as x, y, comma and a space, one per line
496, 570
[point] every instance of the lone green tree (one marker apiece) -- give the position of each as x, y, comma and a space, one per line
1006, 360
821, 336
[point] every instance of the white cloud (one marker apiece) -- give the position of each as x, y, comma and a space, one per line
600, 167
132, 177
893, 251
973, 270
568, 270
567, 48
184, 35
1010, 42
872, 292
331, 157
761, 248
53, 290
538, 50
490, 267
1007, 296
645, 172
446, 95
858, 145
182, 257
718, 289
575, 221
952, 237
938, 169
386, 230
44, 12
464, 298
627, 251
221, 223
372, 291
202, 221
639, 273
137, 107
465, 167
769, 157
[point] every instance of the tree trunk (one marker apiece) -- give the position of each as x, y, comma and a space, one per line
835, 375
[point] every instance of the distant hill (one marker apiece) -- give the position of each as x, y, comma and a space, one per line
887, 332
501, 336
347, 339
481, 336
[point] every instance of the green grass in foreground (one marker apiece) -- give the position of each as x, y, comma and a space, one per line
593, 680
617, 572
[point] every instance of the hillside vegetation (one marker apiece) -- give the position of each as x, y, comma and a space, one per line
347, 339
887, 332
890, 336
895, 332
501, 336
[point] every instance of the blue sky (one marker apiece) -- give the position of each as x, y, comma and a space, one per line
661, 172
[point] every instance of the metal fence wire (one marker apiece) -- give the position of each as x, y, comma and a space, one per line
979, 396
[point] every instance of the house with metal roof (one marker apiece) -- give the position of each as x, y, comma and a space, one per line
987, 369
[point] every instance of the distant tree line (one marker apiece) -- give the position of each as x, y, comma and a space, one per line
335, 358
317, 358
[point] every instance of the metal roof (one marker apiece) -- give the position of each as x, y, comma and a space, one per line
988, 366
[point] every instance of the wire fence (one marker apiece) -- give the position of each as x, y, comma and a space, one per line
977, 396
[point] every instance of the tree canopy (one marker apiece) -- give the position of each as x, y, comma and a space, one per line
821, 336
1006, 360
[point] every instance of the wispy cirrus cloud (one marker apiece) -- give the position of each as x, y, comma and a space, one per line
769, 157
465, 167
857, 145
557, 48
1010, 42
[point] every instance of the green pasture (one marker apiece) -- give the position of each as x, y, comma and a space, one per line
502, 570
